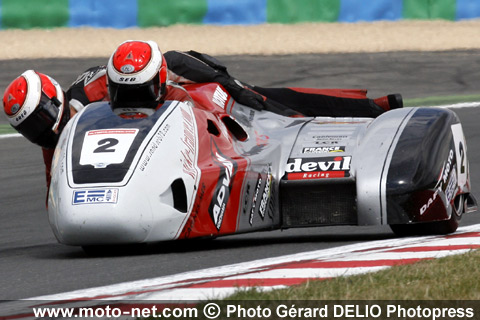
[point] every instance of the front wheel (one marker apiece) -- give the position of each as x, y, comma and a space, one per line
435, 227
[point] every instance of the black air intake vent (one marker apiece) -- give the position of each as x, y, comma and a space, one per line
318, 204
179, 195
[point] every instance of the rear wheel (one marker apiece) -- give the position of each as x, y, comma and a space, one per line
433, 228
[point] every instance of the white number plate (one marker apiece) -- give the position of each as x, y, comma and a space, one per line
107, 146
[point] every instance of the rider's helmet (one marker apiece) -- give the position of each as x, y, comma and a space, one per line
35, 106
137, 75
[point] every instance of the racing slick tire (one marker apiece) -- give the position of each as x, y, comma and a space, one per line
435, 227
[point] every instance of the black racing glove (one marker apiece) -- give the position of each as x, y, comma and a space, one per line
242, 93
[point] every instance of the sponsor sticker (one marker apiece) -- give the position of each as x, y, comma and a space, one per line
446, 183
128, 68
318, 168
255, 198
451, 189
155, 143
228, 168
189, 150
329, 137
326, 149
94, 196
434, 196
266, 195
15, 108
220, 97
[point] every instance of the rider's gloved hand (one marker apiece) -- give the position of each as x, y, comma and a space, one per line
241, 92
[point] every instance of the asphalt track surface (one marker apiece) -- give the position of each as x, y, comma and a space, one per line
32, 263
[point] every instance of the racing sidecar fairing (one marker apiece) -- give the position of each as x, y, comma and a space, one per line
215, 167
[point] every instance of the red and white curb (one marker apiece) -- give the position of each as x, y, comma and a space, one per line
274, 273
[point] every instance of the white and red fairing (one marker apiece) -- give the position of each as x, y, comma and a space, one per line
176, 174
213, 167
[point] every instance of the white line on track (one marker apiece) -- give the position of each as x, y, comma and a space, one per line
307, 273
337, 254
368, 256
10, 135
460, 105
265, 274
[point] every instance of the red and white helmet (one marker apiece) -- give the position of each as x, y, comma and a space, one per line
137, 75
35, 106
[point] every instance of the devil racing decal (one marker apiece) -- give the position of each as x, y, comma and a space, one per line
318, 168
228, 169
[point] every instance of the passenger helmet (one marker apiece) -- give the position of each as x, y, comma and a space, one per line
35, 106
137, 75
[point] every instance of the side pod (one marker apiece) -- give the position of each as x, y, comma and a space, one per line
428, 176
372, 159
413, 168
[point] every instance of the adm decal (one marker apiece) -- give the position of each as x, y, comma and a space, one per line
228, 168
318, 168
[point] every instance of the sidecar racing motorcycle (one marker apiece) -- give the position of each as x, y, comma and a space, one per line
216, 167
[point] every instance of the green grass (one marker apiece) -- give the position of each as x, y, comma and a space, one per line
441, 100
451, 278
6, 129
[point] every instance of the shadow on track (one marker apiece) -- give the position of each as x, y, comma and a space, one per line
222, 243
